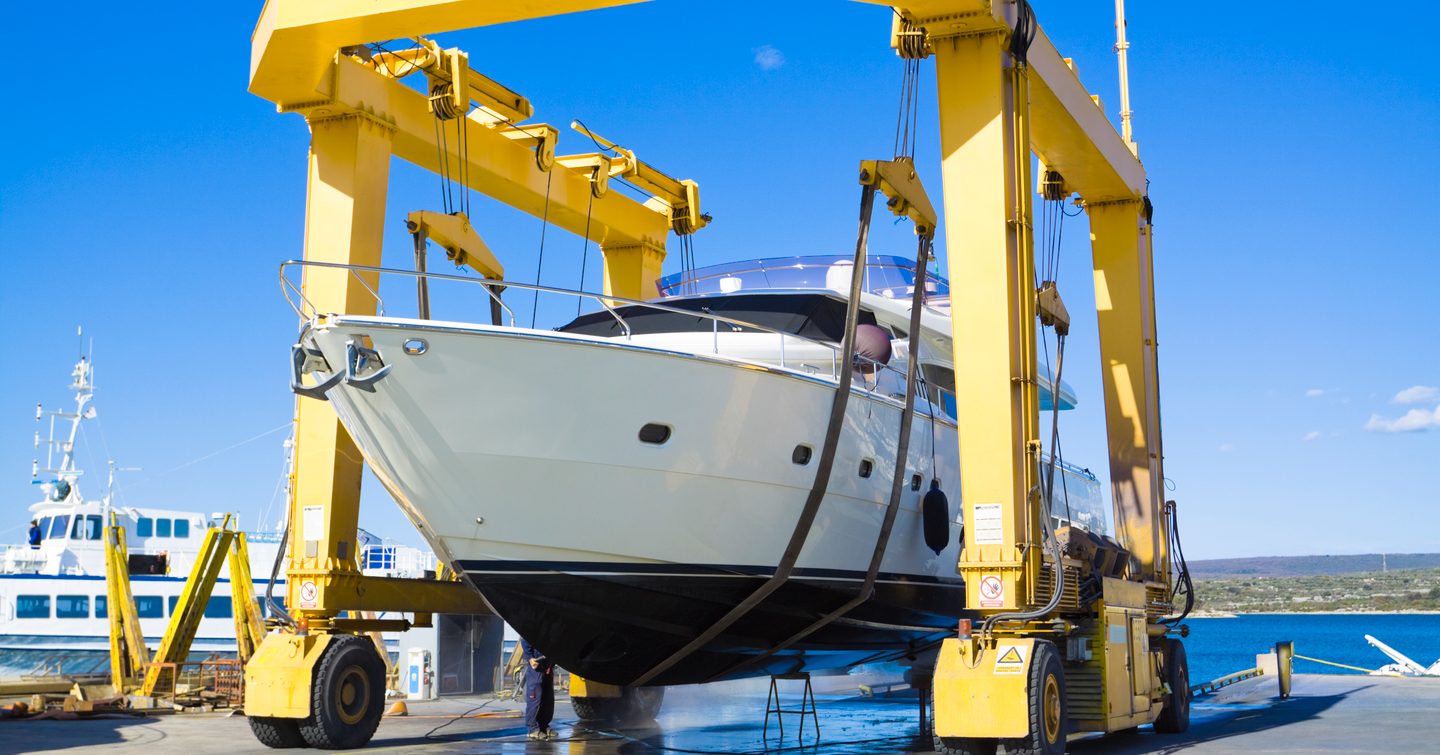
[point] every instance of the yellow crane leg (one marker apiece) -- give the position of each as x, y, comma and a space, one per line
985, 162
631, 271
344, 223
1120, 237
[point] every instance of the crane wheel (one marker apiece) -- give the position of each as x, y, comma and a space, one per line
347, 695
1175, 672
636, 706
277, 733
1048, 719
965, 746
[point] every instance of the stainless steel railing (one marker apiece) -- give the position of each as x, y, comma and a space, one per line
306, 310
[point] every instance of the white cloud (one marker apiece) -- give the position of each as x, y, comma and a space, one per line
768, 58
1312, 435
1315, 393
1414, 420
1418, 394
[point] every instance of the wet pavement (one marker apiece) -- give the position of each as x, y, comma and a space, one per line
1325, 714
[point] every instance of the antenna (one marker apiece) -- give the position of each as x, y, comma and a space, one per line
1121, 46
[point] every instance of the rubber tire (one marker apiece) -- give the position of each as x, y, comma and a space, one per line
346, 656
966, 746
1175, 711
1044, 666
277, 733
636, 706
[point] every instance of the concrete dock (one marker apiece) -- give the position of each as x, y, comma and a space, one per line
1354, 714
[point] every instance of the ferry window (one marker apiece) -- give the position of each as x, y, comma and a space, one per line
100, 607
162, 528
32, 606
72, 606
182, 528
44, 525
219, 607
173, 600
58, 525
149, 607
92, 527
145, 527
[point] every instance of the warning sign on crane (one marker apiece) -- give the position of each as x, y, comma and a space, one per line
992, 591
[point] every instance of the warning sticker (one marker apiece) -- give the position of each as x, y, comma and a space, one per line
988, 527
312, 523
309, 593
1010, 659
992, 591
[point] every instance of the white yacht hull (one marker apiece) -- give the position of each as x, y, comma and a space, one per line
516, 453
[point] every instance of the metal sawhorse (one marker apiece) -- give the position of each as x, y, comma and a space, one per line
807, 706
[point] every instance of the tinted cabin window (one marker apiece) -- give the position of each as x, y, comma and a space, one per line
182, 528
149, 606
72, 606
145, 527
219, 607
58, 525
162, 528
174, 599
92, 527
940, 381
44, 525
100, 607
816, 316
32, 606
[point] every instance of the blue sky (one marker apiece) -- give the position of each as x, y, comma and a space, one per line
1289, 160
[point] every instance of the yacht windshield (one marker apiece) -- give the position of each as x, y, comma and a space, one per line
819, 317
889, 276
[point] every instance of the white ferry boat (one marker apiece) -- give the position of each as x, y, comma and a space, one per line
53, 608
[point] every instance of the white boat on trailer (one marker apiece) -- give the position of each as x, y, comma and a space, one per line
616, 485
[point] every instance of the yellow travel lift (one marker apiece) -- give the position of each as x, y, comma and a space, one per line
1074, 634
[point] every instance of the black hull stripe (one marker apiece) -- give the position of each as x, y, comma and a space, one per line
689, 570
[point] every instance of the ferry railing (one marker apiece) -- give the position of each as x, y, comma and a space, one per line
306, 310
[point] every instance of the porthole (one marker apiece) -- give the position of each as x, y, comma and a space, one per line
866, 467
801, 455
416, 346
654, 433
914, 482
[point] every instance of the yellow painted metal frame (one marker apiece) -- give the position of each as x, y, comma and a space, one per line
128, 653
983, 696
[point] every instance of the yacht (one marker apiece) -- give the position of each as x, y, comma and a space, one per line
53, 612
615, 485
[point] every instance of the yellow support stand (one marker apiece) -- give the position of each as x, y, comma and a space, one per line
185, 616
128, 653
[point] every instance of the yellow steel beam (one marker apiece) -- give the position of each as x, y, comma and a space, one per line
295, 40
249, 624
128, 653
350, 591
1120, 237
344, 223
1069, 132
458, 238
986, 166
189, 609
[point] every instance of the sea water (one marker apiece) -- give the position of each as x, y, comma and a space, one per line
1217, 647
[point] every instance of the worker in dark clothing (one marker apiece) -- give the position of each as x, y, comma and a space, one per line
539, 692
34, 534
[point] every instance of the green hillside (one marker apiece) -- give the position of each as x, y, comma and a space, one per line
1403, 590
